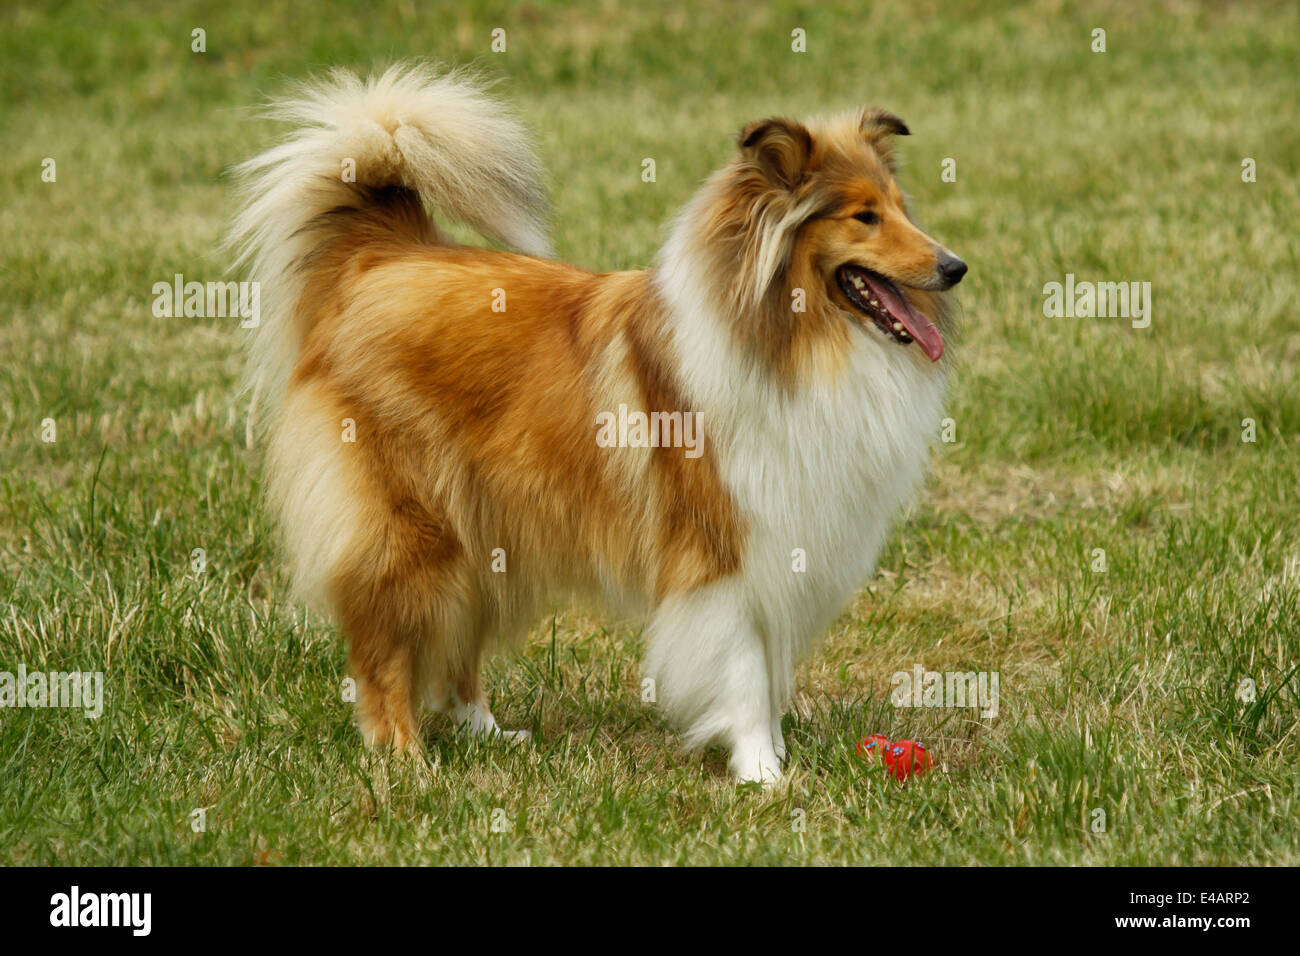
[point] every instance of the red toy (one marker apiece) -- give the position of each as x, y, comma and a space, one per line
873, 746
904, 758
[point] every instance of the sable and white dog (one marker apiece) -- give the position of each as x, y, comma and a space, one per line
433, 409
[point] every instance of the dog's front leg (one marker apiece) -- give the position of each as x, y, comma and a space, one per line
709, 666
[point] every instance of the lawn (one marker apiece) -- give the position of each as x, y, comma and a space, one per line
1149, 696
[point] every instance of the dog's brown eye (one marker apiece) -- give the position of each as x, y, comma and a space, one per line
867, 217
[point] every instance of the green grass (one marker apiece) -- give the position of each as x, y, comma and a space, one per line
1118, 689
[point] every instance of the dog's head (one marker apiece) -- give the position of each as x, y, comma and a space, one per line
821, 208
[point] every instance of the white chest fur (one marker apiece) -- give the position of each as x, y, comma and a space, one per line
820, 475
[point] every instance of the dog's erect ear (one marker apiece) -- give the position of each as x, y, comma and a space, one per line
878, 123
780, 148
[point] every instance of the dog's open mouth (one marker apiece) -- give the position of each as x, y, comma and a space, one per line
883, 302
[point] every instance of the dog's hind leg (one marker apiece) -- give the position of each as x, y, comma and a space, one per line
381, 657
450, 668
470, 712
403, 605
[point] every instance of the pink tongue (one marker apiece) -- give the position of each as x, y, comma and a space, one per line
920, 328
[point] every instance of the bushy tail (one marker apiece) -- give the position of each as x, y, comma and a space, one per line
441, 136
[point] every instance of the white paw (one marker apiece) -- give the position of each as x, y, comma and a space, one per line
756, 762
477, 721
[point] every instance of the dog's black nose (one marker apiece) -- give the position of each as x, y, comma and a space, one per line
952, 269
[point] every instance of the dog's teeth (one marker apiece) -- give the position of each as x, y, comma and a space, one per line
898, 326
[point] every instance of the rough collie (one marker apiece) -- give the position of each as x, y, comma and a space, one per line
457, 435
